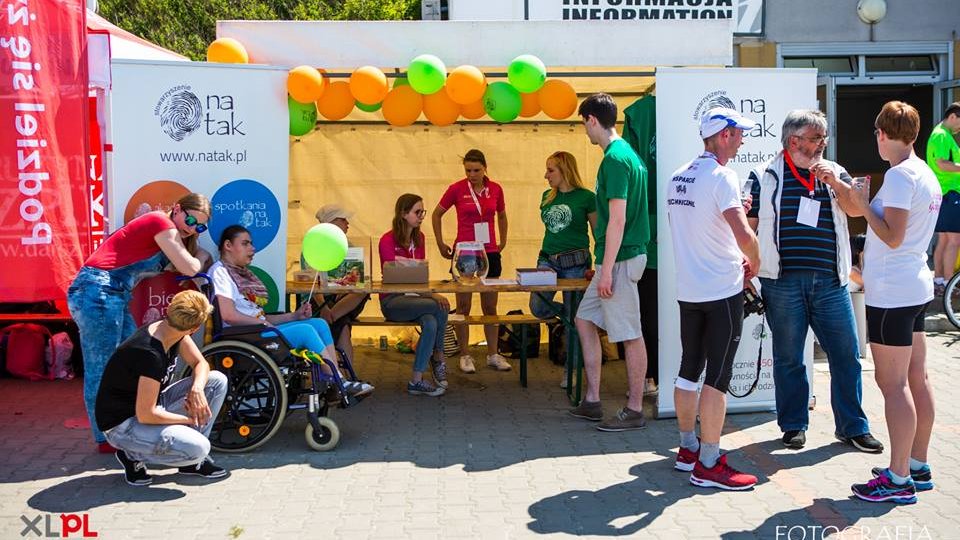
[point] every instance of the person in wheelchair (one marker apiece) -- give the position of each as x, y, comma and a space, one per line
241, 295
144, 416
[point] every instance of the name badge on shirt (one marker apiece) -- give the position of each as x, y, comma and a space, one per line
809, 212
481, 233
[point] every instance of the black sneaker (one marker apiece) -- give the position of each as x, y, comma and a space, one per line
205, 468
134, 472
795, 439
864, 443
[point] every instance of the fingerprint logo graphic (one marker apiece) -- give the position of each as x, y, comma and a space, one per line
557, 218
720, 101
180, 114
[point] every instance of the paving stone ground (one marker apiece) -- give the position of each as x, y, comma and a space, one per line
488, 460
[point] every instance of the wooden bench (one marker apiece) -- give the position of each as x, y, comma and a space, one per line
473, 320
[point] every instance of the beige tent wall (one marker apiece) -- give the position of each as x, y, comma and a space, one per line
365, 166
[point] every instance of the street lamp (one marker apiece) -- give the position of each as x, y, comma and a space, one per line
871, 12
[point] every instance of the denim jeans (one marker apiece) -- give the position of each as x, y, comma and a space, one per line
426, 311
799, 299
168, 444
542, 304
98, 301
311, 334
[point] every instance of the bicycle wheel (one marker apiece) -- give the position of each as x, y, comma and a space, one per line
951, 300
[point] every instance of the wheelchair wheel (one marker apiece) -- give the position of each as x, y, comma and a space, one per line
256, 401
327, 439
951, 300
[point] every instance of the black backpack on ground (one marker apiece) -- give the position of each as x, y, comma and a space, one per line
509, 338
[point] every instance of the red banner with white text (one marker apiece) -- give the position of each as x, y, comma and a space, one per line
44, 193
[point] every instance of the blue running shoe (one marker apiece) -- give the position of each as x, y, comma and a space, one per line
882, 489
922, 478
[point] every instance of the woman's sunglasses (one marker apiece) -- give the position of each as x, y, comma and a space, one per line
192, 222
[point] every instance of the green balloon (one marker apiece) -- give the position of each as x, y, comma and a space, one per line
324, 246
502, 102
401, 81
303, 117
427, 74
527, 73
369, 108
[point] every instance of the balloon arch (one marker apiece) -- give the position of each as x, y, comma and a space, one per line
425, 88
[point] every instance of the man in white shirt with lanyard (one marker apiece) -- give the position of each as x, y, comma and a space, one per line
704, 195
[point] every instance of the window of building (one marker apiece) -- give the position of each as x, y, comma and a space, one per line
917, 64
832, 65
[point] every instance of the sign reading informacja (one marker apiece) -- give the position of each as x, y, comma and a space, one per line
646, 9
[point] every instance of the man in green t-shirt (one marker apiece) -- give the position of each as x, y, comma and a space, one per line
943, 156
611, 301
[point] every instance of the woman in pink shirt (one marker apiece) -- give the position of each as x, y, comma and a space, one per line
405, 241
478, 199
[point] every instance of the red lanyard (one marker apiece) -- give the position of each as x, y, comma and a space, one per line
810, 183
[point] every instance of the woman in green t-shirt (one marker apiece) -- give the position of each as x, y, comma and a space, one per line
565, 209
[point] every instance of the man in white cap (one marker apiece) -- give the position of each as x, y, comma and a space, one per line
339, 310
336, 214
716, 251
800, 206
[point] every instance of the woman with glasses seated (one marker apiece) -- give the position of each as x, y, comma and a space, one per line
99, 295
241, 296
404, 241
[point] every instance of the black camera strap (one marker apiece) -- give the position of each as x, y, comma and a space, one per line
756, 380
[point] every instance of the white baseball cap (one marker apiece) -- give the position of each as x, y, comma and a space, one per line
329, 212
718, 118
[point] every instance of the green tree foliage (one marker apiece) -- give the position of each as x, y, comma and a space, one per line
188, 26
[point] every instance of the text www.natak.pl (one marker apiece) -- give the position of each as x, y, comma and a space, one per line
210, 156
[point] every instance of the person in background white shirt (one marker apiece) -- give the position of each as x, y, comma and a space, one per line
704, 195
898, 286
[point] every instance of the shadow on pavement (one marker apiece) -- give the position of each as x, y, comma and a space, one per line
89, 492
619, 510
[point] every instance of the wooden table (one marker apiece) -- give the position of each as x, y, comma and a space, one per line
574, 360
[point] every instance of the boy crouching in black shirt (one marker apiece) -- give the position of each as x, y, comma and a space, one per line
147, 418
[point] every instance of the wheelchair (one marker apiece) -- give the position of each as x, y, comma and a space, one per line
266, 382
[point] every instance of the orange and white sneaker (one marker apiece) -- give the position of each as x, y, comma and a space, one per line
721, 476
686, 459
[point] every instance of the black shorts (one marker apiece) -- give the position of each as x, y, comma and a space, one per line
895, 326
709, 336
949, 218
496, 265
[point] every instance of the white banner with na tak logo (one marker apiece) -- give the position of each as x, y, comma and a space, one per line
683, 95
216, 129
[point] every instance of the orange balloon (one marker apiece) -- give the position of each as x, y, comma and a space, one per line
466, 84
305, 84
227, 51
558, 99
473, 111
439, 109
368, 85
529, 104
336, 102
326, 78
402, 106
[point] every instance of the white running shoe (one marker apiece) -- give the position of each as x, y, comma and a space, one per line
498, 362
466, 364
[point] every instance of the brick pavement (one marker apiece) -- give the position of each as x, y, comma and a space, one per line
488, 460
